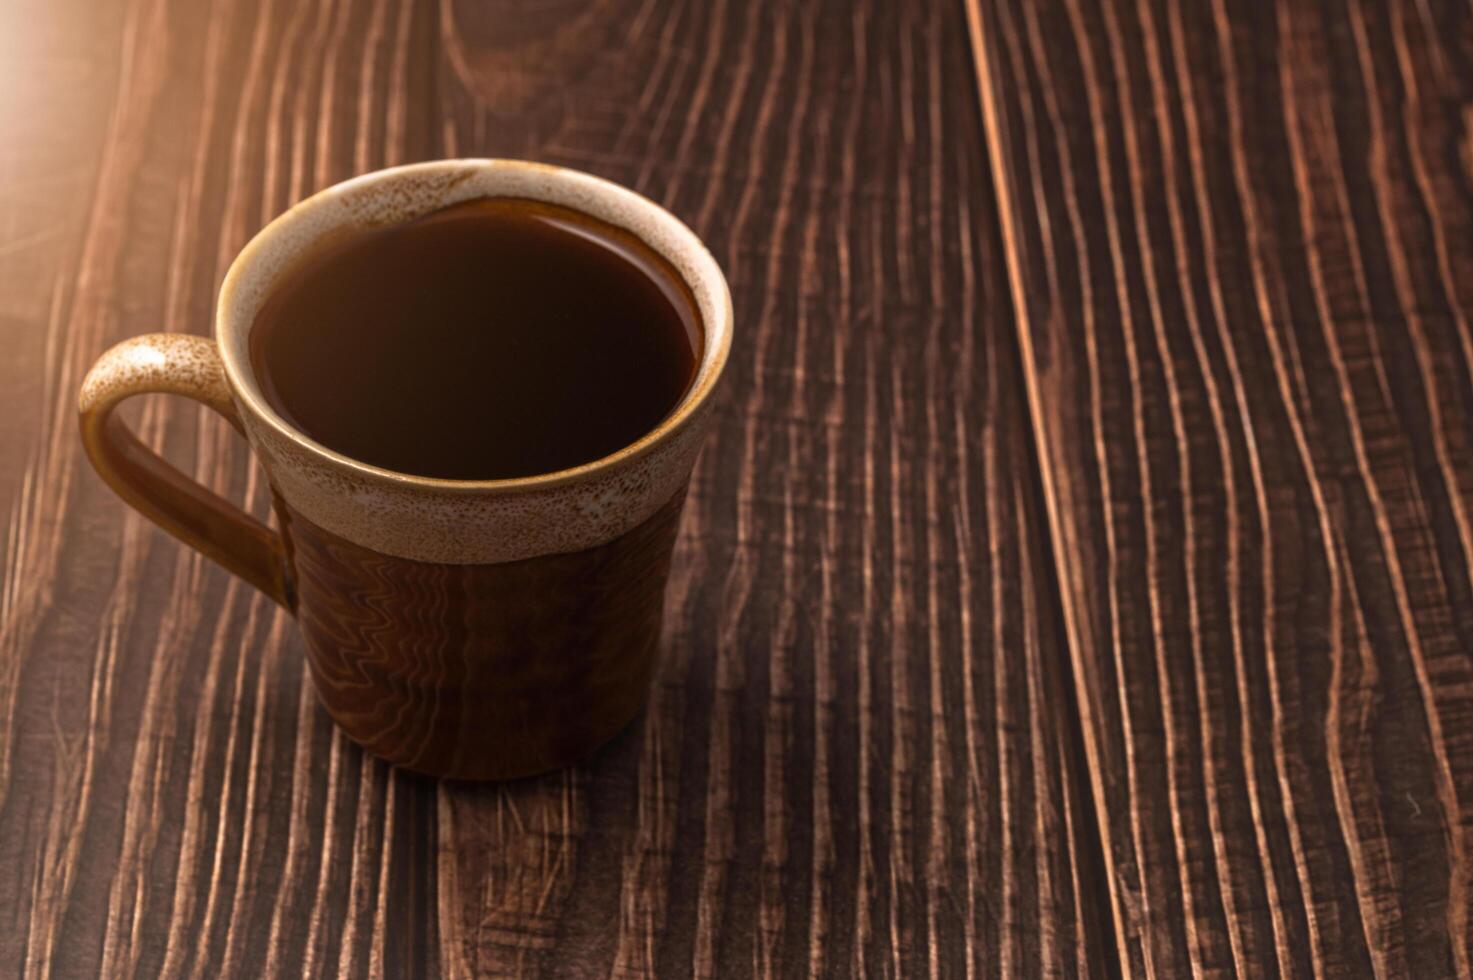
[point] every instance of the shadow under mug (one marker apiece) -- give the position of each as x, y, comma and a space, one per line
467, 629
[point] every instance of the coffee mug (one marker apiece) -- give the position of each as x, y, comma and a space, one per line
466, 629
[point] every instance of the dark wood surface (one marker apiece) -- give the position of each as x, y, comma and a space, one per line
1241, 249
861, 756
1077, 581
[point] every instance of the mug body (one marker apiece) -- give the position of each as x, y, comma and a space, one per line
482, 670
475, 629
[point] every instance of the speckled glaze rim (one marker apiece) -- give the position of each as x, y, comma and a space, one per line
264, 257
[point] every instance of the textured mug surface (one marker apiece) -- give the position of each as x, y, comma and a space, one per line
469, 629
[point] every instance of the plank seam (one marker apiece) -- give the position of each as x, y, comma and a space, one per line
1077, 724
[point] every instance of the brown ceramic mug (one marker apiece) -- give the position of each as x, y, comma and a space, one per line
467, 629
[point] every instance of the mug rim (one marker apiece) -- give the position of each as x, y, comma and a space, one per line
715, 329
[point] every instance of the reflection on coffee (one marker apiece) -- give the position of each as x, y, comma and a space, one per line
495, 338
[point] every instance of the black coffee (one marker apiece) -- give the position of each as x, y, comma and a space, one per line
495, 338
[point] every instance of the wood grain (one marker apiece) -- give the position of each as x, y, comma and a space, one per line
1240, 251
857, 759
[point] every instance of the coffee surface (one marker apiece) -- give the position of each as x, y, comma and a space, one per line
493, 339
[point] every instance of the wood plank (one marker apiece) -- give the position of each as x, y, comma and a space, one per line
854, 762
175, 802
858, 757
1240, 248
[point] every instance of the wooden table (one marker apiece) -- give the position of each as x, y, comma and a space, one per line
1078, 581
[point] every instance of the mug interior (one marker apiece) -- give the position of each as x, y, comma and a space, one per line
401, 194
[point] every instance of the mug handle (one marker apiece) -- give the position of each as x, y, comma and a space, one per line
178, 364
